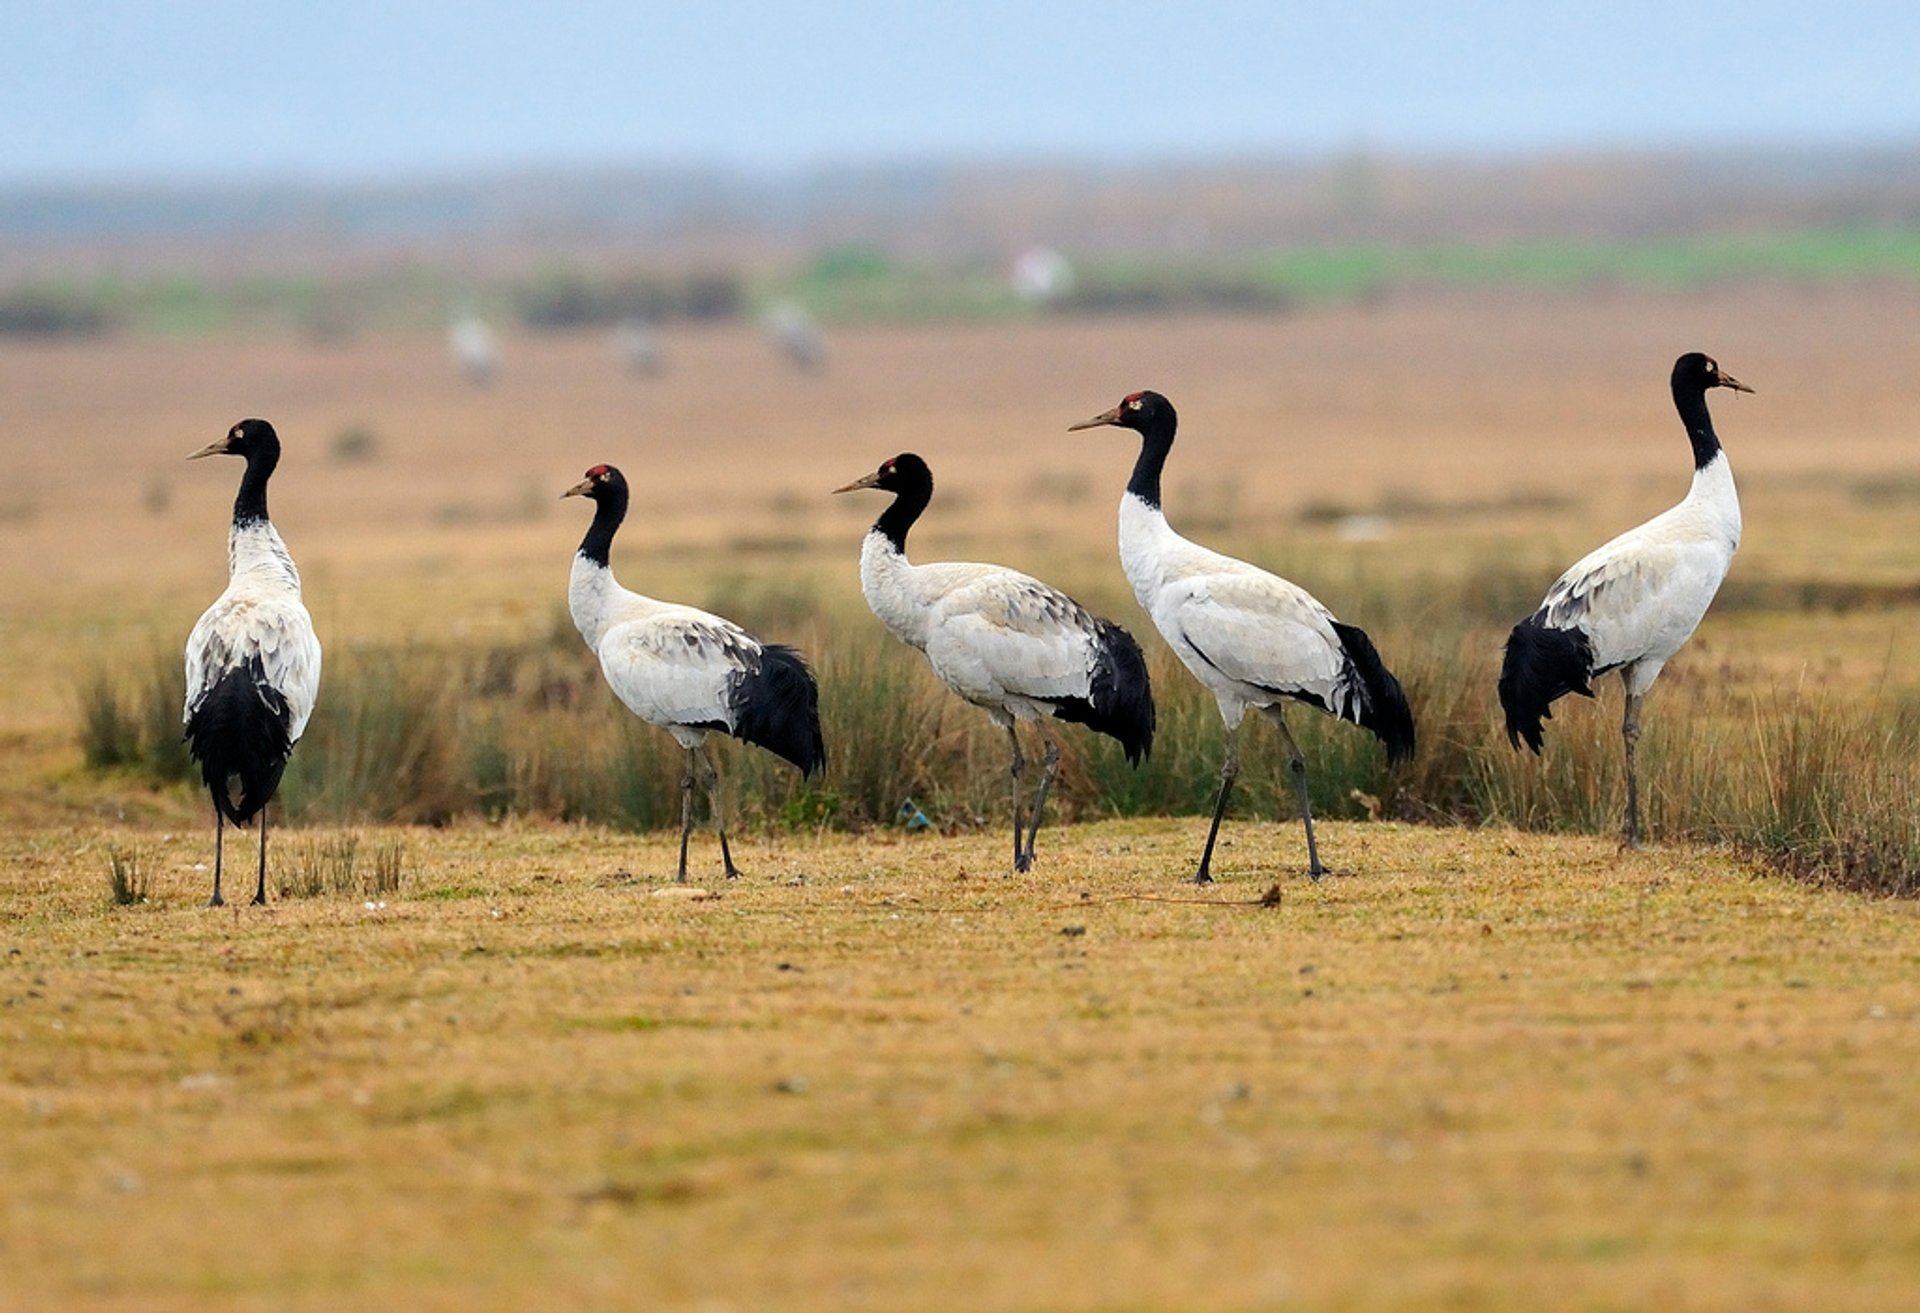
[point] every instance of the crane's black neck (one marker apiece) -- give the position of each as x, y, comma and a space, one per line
250, 505
609, 508
1690, 399
909, 500
1156, 440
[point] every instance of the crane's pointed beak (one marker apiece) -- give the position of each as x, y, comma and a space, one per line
216, 448
1106, 417
1729, 381
579, 489
864, 481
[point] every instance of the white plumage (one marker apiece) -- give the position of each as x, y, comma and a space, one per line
687, 671
1006, 642
258, 618
1252, 639
252, 660
1633, 603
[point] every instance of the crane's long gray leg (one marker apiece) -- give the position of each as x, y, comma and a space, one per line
1021, 862
1229, 771
219, 836
1049, 766
260, 890
686, 815
717, 806
1630, 732
1297, 763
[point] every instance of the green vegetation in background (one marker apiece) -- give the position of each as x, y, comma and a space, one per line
859, 284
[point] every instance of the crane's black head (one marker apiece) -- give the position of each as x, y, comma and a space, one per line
606, 488
903, 474
1143, 412
253, 439
1151, 416
908, 478
1696, 372
602, 482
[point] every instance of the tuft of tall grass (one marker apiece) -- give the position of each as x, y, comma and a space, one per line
384, 743
109, 729
329, 865
126, 876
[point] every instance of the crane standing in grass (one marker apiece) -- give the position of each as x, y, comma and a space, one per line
687, 671
1633, 603
253, 662
1251, 638
1009, 644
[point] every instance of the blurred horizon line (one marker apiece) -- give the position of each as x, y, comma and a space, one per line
1765, 150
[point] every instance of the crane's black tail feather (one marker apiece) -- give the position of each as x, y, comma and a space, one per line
1119, 701
779, 709
1382, 704
240, 731
1542, 664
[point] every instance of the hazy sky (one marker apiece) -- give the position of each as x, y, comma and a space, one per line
198, 88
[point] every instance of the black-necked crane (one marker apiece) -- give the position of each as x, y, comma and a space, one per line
637, 347
253, 662
473, 348
688, 671
1009, 644
1632, 604
796, 335
1254, 640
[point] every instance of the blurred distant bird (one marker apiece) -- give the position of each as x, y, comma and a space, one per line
637, 347
253, 663
793, 333
1632, 604
1251, 638
1004, 641
1041, 274
471, 344
687, 671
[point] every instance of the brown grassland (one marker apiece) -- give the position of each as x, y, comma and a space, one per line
1481, 1068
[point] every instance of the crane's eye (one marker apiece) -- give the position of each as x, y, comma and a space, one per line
1712, 368
1134, 404
234, 436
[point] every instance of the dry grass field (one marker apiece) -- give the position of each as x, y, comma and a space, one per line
1483, 1069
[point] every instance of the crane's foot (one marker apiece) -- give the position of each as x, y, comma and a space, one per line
258, 900
1023, 863
216, 901
733, 872
1315, 871
1201, 877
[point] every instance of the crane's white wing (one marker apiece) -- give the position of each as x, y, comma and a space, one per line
1253, 628
1637, 597
1006, 633
678, 666
246, 624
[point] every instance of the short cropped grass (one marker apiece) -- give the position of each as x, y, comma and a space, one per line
1483, 1069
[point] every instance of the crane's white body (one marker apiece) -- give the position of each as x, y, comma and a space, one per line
1640, 597
1250, 637
676, 667
259, 615
1002, 640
